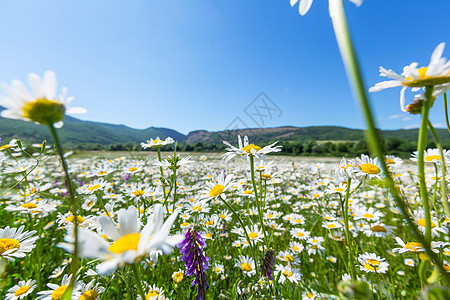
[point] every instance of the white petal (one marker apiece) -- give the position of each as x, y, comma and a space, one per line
49, 85
304, 6
36, 86
293, 2
76, 110
402, 99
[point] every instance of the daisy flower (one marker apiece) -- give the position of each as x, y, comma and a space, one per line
41, 105
414, 247
14, 243
372, 263
218, 187
21, 290
178, 276
153, 293
56, 291
366, 167
254, 233
378, 230
287, 272
130, 244
436, 74
305, 5
367, 214
432, 156
155, 143
299, 233
90, 291
409, 262
247, 265
245, 149
96, 185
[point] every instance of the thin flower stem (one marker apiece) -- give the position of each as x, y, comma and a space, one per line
349, 58
443, 185
245, 231
347, 231
162, 178
446, 112
72, 205
258, 200
137, 279
421, 144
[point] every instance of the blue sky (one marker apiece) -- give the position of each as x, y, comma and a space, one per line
198, 64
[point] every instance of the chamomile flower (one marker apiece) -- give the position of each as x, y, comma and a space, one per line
42, 105
367, 214
178, 276
155, 143
305, 5
432, 156
131, 244
367, 168
218, 187
371, 263
245, 149
378, 230
247, 265
15, 243
299, 233
90, 291
414, 247
409, 262
436, 74
21, 290
56, 291
287, 273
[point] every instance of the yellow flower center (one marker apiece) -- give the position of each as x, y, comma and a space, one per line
29, 205
378, 228
138, 193
4, 147
390, 161
177, 277
21, 290
331, 225
57, 294
314, 241
216, 190
370, 168
197, 208
94, 187
248, 192
8, 244
287, 273
44, 111
102, 173
414, 246
432, 157
422, 73
132, 169
89, 295
266, 176
249, 148
372, 264
156, 141
222, 216
369, 216
300, 234
270, 216
72, 219
125, 243
253, 235
151, 294
309, 295
289, 258
422, 223
210, 223
246, 267
295, 248
339, 190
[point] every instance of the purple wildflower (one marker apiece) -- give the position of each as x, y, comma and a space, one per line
126, 177
268, 264
195, 262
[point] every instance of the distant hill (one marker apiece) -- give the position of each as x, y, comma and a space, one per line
301, 134
76, 132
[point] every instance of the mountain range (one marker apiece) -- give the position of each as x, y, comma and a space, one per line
78, 133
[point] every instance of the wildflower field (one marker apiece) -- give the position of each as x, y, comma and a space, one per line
242, 224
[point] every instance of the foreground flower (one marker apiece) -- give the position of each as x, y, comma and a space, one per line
15, 242
432, 156
21, 290
305, 5
218, 187
366, 167
131, 244
42, 105
436, 74
195, 262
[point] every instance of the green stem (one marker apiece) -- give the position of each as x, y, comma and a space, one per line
349, 58
245, 231
72, 205
137, 279
162, 179
347, 231
258, 200
443, 185
446, 112
421, 145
